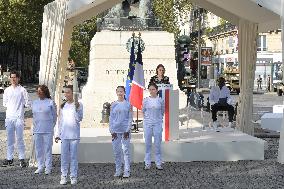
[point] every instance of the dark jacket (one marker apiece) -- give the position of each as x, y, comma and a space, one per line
156, 80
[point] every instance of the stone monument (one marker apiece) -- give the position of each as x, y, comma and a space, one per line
109, 58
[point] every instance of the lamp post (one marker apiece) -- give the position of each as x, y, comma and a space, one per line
198, 15
199, 50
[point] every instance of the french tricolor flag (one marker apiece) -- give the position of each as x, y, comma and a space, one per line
138, 85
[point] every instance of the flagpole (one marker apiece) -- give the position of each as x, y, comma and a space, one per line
137, 113
137, 128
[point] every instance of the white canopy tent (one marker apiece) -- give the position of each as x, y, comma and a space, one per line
61, 15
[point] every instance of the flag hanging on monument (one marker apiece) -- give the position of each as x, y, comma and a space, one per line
130, 72
137, 88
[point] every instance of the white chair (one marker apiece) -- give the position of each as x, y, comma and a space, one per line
223, 118
205, 117
197, 115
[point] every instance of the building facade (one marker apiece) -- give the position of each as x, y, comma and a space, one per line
222, 37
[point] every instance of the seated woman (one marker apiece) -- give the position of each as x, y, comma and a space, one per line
159, 78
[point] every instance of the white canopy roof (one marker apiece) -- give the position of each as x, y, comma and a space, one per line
233, 10
266, 14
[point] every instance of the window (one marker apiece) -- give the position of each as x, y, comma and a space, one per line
231, 42
261, 43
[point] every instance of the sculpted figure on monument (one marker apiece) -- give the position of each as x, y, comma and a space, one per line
130, 15
121, 9
146, 9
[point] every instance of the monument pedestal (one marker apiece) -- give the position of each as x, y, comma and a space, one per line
201, 145
109, 63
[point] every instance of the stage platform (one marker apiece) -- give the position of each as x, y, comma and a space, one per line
195, 144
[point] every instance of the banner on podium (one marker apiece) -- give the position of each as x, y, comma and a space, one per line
171, 99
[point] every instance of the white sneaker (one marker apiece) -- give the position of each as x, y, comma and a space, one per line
159, 167
47, 171
147, 167
63, 180
73, 180
126, 174
230, 124
39, 171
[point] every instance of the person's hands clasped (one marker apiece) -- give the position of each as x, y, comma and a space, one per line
57, 139
114, 136
126, 135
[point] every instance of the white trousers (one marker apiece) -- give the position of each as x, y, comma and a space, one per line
15, 130
69, 155
43, 149
121, 152
156, 131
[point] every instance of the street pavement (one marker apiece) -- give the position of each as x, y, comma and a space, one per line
240, 174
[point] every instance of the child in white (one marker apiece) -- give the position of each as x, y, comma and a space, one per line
153, 110
15, 99
119, 127
44, 119
70, 116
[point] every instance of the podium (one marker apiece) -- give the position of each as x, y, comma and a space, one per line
171, 122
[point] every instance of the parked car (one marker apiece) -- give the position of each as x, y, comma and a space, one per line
232, 81
275, 83
279, 88
189, 83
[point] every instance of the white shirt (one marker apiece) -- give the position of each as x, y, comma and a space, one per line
216, 94
153, 110
15, 99
120, 117
44, 115
69, 121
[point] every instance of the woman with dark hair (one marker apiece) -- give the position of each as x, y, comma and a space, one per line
68, 131
160, 78
153, 111
44, 120
119, 126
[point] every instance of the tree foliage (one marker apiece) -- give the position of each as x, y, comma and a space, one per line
168, 12
21, 23
81, 38
222, 21
21, 27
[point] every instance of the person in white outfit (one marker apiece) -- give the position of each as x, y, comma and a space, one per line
120, 126
15, 99
220, 100
153, 110
44, 120
68, 131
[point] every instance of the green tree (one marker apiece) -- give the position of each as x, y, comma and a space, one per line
21, 23
81, 38
168, 11
222, 21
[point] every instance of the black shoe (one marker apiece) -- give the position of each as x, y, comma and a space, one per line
7, 162
23, 163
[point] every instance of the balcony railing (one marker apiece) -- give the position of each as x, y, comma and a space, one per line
224, 28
